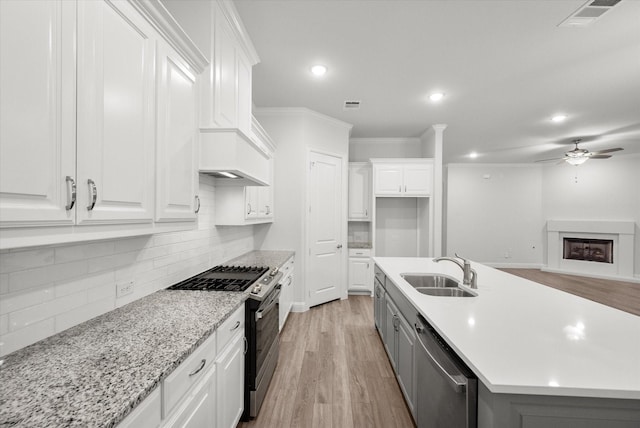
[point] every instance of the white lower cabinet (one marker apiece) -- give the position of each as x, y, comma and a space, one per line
206, 390
230, 384
360, 271
286, 292
147, 414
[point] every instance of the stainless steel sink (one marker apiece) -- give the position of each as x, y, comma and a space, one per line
430, 281
445, 292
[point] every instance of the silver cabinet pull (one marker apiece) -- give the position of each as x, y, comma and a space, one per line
199, 369
366, 213
248, 209
93, 191
197, 204
405, 188
235, 327
268, 210
71, 192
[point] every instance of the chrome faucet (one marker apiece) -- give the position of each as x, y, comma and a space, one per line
470, 277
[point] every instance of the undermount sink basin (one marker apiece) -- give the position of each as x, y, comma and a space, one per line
430, 281
445, 292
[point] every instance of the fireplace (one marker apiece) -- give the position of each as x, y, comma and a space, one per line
591, 250
597, 248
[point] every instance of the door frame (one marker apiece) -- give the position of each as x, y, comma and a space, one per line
343, 229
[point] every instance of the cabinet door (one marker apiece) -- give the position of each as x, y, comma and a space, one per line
37, 112
176, 173
251, 202
390, 334
146, 414
388, 180
359, 193
230, 368
359, 274
379, 309
418, 180
225, 91
199, 408
265, 202
115, 129
406, 362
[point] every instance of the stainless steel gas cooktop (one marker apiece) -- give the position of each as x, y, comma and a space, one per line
223, 278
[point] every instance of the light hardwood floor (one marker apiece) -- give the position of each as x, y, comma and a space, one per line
333, 372
617, 294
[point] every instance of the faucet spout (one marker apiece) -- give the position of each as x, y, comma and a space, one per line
470, 277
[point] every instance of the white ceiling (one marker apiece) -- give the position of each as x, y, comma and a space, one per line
505, 66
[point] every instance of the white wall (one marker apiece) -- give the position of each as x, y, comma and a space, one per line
295, 132
45, 290
508, 211
494, 213
363, 149
597, 190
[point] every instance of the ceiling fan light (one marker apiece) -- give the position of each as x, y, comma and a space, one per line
577, 160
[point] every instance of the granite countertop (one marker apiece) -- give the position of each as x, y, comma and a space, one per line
521, 337
93, 374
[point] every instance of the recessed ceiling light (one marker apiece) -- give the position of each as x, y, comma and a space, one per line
559, 118
318, 70
436, 96
473, 155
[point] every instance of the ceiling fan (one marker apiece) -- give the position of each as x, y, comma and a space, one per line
578, 156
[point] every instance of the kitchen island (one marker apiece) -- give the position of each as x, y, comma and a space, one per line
538, 353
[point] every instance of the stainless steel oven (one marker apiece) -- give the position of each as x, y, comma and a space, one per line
261, 323
263, 349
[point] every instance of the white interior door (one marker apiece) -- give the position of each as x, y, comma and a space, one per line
325, 266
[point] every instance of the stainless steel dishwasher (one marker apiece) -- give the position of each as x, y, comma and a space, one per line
447, 389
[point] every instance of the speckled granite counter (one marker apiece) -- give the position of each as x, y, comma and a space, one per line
93, 374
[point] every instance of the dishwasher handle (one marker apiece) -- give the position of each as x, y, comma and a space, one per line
421, 330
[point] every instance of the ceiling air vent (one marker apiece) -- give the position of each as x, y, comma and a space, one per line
351, 105
588, 13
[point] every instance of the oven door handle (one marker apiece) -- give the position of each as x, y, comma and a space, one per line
261, 313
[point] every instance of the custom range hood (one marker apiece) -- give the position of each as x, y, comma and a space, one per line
234, 158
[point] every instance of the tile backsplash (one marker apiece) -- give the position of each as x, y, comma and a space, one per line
44, 290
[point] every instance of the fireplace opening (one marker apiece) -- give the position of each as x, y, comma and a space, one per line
592, 250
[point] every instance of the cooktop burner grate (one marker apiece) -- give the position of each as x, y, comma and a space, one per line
222, 278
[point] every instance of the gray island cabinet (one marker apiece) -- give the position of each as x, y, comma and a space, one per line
543, 358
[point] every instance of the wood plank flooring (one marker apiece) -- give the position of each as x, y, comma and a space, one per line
333, 372
617, 294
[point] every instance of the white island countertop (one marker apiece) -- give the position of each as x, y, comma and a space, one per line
521, 337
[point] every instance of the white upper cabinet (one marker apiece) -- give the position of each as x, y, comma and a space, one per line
81, 83
37, 113
359, 192
116, 108
176, 173
403, 177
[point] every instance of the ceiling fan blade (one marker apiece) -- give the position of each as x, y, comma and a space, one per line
549, 160
600, 157
601, 152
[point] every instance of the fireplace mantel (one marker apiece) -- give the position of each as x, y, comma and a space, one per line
621, 232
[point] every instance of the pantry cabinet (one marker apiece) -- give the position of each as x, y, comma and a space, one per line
359, 191
83, 154
403, 177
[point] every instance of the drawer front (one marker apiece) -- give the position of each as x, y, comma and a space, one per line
190, 371
287, 266
359, 252
229, 328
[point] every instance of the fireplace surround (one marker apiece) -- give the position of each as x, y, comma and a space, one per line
595, 248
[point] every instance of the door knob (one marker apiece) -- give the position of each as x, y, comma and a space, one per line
339, 246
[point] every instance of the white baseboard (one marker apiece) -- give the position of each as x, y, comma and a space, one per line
299, 307
591, 275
